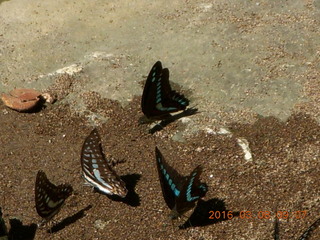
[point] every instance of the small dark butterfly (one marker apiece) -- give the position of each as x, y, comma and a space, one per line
49, 197
180, 193
97, 171
158, 99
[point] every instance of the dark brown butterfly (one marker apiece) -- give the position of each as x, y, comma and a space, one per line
96, 170
180, 193
49, 198
158, 99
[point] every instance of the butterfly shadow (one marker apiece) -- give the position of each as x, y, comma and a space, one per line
171, 118
203, 214
69, 220
18, 231
132, 198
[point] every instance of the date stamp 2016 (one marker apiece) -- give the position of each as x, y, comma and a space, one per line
216, 215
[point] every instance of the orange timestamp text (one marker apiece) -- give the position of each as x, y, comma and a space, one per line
258, 215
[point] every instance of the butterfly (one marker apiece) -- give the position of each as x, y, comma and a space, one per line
49, 197
96, 169
305, 236
180, 193
158, 99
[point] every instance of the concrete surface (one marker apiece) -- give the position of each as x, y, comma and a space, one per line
227, 56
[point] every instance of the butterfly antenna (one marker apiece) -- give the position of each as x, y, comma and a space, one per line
194, 106
308, 232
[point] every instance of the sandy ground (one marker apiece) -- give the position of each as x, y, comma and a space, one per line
252, 69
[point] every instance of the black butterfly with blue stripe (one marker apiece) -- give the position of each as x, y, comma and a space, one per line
180, 193
96, 169
158, 99
49, 198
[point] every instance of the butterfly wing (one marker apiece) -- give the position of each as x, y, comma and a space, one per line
170, 180
49, 198
152, 92
96, 170
171, 101
192, 191
158, 99
150, 88
3, 227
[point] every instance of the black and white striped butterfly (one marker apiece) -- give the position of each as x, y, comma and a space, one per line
180, 193
97, 171
158, 99
49, 198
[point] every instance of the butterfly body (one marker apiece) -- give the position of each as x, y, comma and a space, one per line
96, 170
158, 99
49, 198
180, 193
